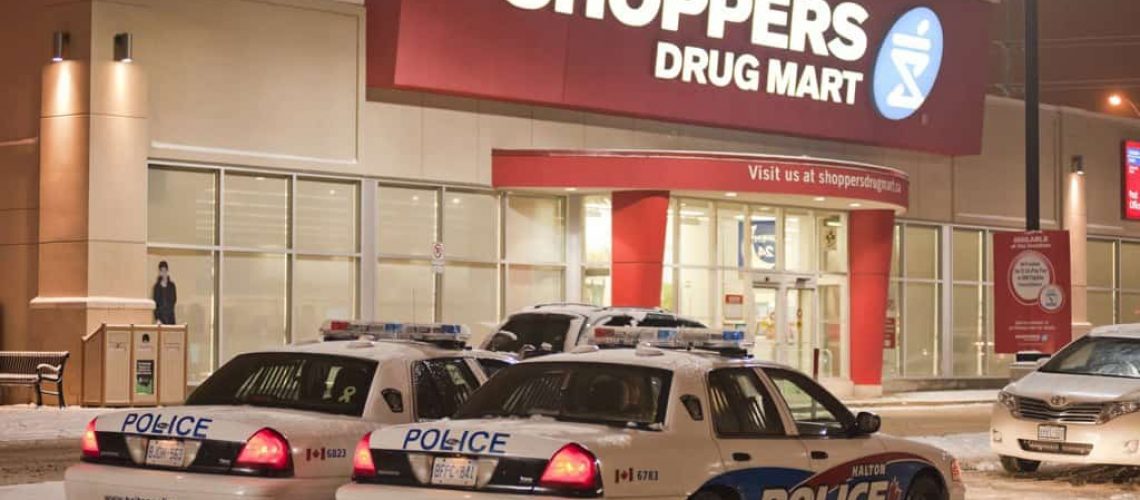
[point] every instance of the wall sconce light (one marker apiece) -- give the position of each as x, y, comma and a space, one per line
124, 47
59, 42
1077, 164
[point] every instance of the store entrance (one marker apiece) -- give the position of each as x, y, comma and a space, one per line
786, 322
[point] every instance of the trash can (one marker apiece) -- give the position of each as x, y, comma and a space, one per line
135, 365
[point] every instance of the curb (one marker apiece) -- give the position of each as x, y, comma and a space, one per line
916, 404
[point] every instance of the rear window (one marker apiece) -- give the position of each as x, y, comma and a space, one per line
533, 329
441, 386
575, 392
313, 382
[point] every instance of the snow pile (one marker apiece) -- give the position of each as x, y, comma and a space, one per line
972, 450
28, 423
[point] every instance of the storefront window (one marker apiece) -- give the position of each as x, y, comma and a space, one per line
182, 206
407, 221
1102, 289
696, 232
598, 230
597, 287
799, 241
731, 235
527, 286
833, 243
969, 320
405, 291
917, 303
325, 283
763, 239
470, 226
256, 212
697, 294
535, 229
192, 272
253, 305
326, 217
920, 329
324, 288
470, 296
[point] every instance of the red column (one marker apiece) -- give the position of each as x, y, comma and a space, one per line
639, 219
870, 240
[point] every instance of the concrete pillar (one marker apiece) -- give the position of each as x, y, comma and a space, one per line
639, 219
93, 203
870, 241
1077, 222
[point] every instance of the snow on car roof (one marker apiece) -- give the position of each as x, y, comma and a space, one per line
378, 350
1131, 331
667, 359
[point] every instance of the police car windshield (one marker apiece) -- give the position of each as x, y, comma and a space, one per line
301, 381
1102, 356
533, 329
575, 392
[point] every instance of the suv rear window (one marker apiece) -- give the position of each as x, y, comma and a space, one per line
314, 382
533, 329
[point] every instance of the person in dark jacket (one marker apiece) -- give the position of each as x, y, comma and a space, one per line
165, 296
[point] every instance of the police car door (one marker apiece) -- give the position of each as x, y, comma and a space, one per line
854, 465
761, 459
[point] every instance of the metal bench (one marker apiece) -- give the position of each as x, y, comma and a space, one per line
35, 369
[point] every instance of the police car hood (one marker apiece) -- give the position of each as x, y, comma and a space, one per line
225, 423
1076, 388
537, 437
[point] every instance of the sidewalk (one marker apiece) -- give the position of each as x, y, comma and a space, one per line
926, 399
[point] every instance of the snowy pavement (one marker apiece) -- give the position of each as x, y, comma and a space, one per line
22, 423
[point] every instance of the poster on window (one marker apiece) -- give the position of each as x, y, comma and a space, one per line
1032, 292
763, 240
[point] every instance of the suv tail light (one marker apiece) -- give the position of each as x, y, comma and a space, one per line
266, 450
362, 464
90, 443
572, 468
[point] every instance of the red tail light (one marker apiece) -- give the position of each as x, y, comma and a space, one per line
267, 449
89, 443
362, 464
572, 467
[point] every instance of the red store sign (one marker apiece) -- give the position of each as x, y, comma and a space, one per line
897, 73
1032, 292
1131, 181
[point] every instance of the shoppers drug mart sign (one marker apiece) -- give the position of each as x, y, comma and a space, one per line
868, 71
1032, 306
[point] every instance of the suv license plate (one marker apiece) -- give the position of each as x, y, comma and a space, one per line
1055, 433
453, 472
165, 453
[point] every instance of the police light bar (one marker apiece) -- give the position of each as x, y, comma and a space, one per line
675, 338
387, 330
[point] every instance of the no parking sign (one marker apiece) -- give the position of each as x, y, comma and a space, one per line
1032, 292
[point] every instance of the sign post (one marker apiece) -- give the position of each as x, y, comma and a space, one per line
1032, 292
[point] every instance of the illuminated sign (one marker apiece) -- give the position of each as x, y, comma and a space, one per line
850, 70
1131, 181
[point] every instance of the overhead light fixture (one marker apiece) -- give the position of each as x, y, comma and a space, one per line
855, 205
571, 189
59, 42
1077, 164
730, 195
124, 47
819, 199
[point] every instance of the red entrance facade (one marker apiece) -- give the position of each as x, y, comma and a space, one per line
641, 184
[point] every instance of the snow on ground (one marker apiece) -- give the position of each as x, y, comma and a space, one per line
972, 450
38, 491
28, 423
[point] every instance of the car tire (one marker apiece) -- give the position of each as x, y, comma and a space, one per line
1014, 465
710, 495
926, 487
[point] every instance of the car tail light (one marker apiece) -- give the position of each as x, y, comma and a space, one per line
89, 442
362, 464
572, 467
265, 450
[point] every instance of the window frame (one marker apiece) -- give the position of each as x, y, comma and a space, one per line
764, 386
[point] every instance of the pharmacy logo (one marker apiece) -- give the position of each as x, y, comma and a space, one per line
908, 64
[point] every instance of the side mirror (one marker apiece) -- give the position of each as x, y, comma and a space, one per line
867, 423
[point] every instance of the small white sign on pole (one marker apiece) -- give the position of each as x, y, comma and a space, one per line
437, 261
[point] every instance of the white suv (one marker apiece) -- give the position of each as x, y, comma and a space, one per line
550, 328
1082, 406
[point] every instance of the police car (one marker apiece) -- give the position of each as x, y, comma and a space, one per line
685, 414
281, 423
559, 327
1080, 407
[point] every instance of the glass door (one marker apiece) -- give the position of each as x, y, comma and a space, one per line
766, 312
799, 332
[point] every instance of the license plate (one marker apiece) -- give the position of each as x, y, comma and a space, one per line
1054, 433
165, 453
453, 472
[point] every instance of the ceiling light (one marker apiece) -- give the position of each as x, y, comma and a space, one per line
571, 189
855, 205
730, 195
819, 199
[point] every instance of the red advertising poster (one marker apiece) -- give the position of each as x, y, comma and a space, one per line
1132, 180
1032, 291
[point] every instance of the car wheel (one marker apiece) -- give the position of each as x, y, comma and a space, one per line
925, 487
710, 495
1014, 465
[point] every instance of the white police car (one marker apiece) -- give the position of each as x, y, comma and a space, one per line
281, 423
662, 420
559, 327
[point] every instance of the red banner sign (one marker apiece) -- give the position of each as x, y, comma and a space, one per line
1032, 292
1132, 180
896, 73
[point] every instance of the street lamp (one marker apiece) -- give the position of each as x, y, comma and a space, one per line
1118, 100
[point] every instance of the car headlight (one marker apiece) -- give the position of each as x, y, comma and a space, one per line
1120, 409
1008, 400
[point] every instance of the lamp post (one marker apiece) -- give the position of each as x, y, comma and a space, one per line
1118, 100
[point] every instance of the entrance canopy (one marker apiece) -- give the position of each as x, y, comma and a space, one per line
785, 180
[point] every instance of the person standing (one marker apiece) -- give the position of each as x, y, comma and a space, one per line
165, 296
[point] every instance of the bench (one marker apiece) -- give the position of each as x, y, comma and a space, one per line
34, 369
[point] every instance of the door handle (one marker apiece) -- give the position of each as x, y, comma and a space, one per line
819, 455
741, 457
